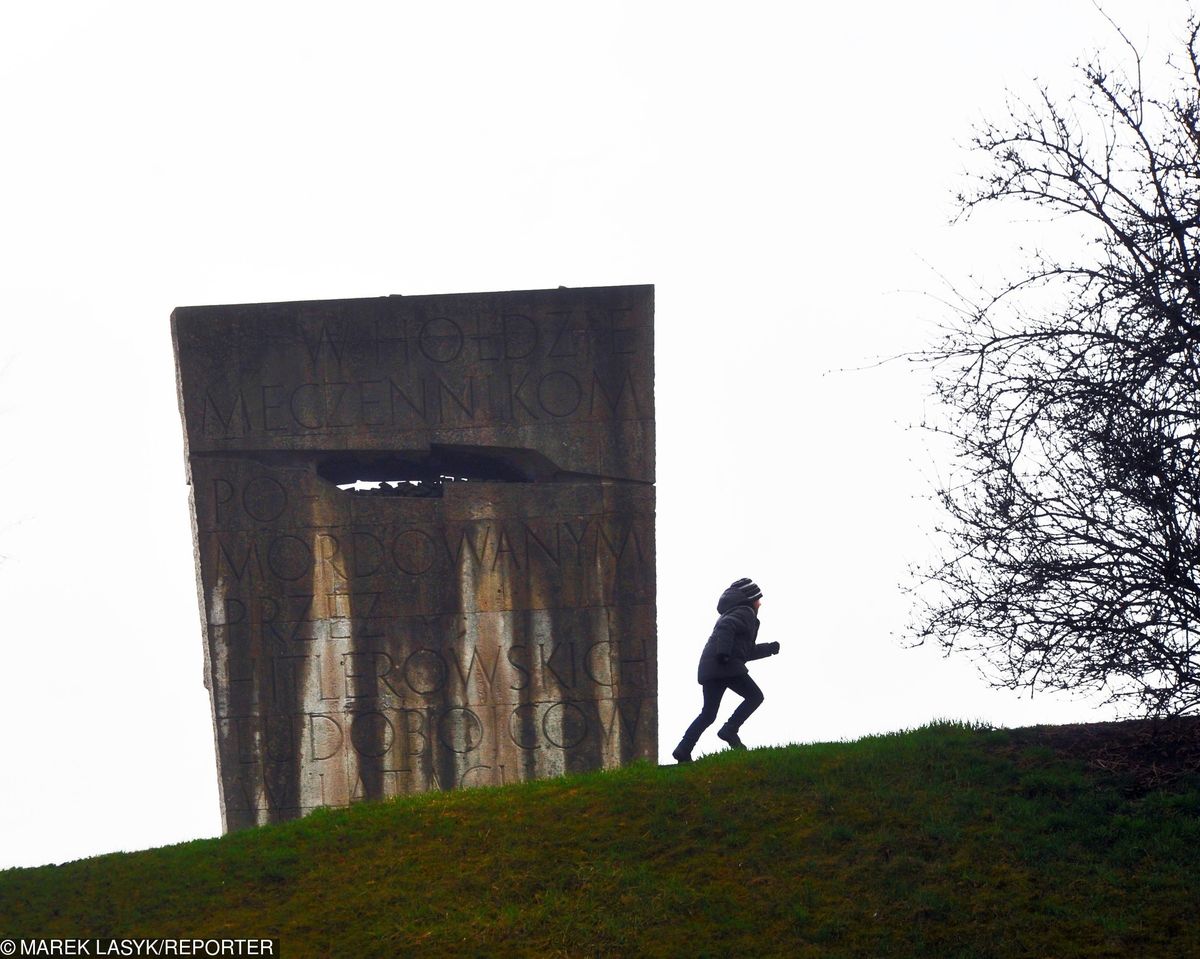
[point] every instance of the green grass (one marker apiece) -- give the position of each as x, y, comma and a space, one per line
944, 841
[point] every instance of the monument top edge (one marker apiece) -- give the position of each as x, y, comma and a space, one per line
573, 292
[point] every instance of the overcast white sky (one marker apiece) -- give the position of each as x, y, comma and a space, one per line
782, 172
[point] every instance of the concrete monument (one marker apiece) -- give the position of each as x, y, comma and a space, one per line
424, 533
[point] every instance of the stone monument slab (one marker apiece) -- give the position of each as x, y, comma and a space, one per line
424, 533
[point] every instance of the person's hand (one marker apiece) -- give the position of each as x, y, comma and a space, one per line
774, 649
723, 659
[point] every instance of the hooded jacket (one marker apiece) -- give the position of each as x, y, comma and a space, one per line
733, 636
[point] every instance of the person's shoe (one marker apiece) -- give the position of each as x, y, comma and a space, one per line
730, 736
682, 753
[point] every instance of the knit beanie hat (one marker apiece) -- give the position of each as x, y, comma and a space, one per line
748, 589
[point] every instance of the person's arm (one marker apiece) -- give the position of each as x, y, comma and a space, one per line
723, 634
764, 649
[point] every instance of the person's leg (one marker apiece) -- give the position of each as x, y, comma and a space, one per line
752, 698
713, 691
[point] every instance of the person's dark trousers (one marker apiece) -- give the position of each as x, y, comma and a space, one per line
744, 686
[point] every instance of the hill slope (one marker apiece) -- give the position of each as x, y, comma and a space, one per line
945, 841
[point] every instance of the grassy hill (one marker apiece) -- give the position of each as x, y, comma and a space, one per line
944, 841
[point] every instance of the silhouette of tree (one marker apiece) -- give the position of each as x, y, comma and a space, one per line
1071, 540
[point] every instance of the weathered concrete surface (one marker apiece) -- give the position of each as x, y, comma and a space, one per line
360, 645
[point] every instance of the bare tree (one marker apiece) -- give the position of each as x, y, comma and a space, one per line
1072, 528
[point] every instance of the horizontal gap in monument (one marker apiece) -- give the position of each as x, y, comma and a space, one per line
420, 473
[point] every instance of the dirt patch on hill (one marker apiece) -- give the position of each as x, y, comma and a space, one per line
1147, 753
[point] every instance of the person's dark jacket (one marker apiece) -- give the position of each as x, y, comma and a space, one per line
732, 643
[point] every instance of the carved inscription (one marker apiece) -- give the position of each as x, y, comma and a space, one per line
359, 647
469, 366
421, 401
552, 550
